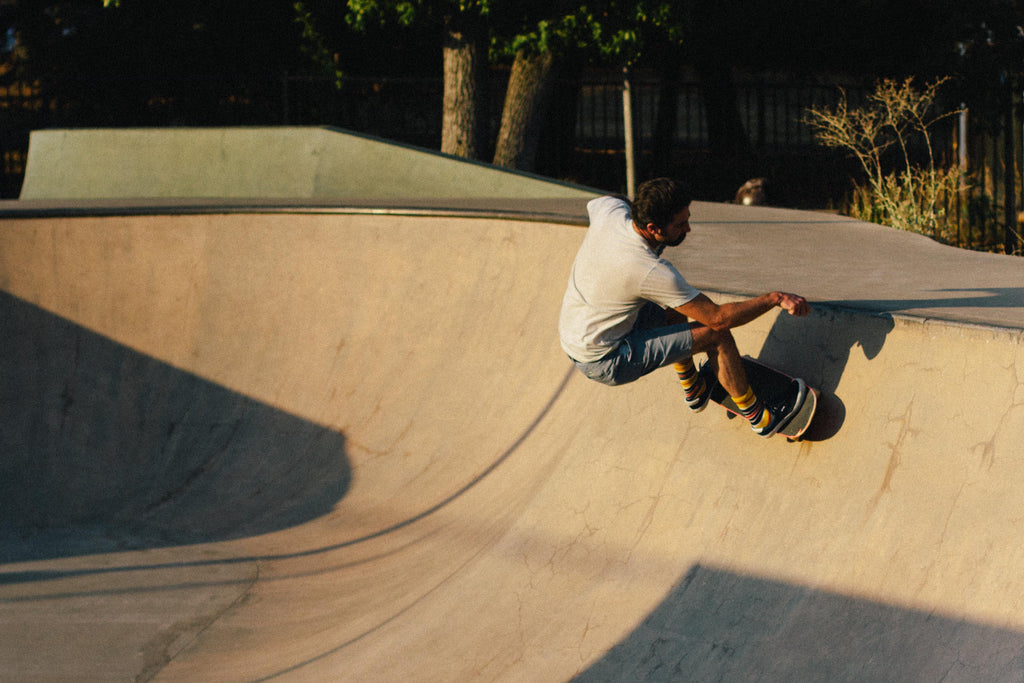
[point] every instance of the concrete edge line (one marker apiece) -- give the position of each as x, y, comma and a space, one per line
219, 209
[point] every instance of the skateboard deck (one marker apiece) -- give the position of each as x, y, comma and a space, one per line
769, 384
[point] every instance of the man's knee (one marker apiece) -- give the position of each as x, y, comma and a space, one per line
674, 317
708, 340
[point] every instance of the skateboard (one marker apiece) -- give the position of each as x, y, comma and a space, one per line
769, 384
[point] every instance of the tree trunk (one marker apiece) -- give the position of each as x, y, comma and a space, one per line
460, 125
525, 104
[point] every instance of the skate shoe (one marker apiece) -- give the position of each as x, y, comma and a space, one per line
782, 414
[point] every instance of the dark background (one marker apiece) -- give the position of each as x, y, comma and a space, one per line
234, 62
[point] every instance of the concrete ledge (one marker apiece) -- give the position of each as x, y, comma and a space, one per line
570, 211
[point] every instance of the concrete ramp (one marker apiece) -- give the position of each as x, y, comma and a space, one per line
268, 163
330, 446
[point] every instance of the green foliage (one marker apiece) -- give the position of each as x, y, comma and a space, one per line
606, 29
535, 32
313, 44
914, 196
365, 13
362, 13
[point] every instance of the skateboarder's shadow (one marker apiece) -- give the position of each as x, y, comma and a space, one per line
817, 348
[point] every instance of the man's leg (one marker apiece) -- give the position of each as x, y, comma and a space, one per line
694, 385
652, 344
724, 357
722, 352
705, 340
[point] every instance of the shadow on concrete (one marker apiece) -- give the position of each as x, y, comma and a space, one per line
983, 298
716, 625
103, 449
817, 348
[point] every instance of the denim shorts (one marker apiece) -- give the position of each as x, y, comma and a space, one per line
650, 345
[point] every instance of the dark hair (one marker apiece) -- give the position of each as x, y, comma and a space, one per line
659, 200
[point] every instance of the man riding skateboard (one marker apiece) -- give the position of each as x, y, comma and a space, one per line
627, 311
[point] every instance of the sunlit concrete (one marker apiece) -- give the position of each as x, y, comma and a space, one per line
346, 446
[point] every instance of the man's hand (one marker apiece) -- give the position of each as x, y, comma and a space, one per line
794, 304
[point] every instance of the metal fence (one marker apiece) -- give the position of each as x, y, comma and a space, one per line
771, 114
987, 214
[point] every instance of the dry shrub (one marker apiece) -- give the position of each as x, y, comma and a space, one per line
915, 196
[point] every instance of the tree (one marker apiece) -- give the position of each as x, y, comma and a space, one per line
463, 33
655, 34
464, 58
606, 31
536, 38
534, 35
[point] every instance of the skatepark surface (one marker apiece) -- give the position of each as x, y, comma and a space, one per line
346, 446
312, 441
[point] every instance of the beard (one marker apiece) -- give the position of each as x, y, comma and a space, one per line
676, 242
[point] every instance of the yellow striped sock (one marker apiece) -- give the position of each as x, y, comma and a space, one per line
752, 409
687, 372
693, 384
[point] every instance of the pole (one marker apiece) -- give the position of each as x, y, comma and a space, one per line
1009, 180
962, 130
962, 158
627, 121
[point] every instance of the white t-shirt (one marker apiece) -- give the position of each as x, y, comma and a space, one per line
615, 273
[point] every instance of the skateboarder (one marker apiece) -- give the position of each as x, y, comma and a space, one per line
627, 311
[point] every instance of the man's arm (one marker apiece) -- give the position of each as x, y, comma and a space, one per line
726, 316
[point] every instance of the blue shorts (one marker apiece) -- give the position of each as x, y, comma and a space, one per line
650, 345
